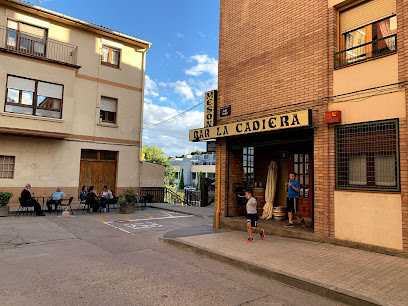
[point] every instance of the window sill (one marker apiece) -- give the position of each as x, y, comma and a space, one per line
31, 117
105, 124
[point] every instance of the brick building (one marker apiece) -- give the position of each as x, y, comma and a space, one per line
283, 67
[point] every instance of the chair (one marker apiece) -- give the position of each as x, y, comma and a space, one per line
113, 201
24, 204
87, 202
66, 205
81, 202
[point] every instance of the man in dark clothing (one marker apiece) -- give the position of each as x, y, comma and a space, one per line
26, 195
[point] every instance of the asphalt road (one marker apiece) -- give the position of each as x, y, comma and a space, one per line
114, 259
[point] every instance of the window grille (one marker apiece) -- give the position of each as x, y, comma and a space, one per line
368, 156
7, 167
248, 164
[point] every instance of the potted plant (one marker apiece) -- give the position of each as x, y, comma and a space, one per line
127, 201
4, 200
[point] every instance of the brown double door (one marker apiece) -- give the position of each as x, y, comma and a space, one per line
96, 170
302, 165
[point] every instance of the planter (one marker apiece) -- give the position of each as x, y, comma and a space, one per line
127, 209
4, 211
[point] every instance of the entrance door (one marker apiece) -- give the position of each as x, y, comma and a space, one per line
98, 168
302, 165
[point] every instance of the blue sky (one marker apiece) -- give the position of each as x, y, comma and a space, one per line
181, 64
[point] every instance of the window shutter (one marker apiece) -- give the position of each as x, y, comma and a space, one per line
49, 90
20, 84
108, 104
32, 30
12, 24
365, 13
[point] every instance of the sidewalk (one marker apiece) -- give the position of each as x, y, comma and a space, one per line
344, 274
207, 211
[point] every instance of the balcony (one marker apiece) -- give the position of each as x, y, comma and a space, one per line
27, 44
367, 51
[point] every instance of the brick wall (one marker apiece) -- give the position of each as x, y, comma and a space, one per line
275, 57
402, 15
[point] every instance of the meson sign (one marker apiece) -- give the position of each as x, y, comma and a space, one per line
210, 104
278, 122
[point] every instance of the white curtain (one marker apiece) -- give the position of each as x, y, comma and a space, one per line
270, 191
389, 27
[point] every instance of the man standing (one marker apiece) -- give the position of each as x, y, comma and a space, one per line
26, 196
56, 199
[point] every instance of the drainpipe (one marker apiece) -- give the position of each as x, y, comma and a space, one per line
217, 215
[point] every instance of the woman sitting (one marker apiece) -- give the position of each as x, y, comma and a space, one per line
82, 194
91, 199
106, 196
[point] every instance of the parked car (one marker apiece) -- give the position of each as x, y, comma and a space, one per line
189, 188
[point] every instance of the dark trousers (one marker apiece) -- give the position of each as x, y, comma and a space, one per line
55, 202
37, 206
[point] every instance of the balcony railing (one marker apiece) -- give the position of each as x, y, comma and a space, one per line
366, 51
39, 47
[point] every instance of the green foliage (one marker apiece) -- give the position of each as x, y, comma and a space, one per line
155, 154
181, 184
201, 176
5, 197
127, 197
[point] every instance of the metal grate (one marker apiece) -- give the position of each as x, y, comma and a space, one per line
367, 156
7, 167
248, 165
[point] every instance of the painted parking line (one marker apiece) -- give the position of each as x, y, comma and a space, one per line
130, 225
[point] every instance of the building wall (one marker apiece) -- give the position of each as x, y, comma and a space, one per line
50, 162
152, 175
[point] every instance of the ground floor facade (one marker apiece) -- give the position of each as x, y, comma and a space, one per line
353, 177
69, 163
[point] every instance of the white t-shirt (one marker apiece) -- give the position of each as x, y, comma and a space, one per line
249, 208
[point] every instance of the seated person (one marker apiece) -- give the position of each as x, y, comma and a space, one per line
56, 199
106, 196
27, 197
91, 199
82, 194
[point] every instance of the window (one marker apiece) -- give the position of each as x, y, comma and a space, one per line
99, 155
110, 57
108, 110
248, 165
26, 38
6, 167
367, 156
367, 29
193, 175
32, 97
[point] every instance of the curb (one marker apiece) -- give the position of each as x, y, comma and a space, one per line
178, 211
335, 294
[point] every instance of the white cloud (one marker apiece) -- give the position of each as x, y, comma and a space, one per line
147, 100
179, 35
162, 84
150, 87
172, 136
183, 89
204, 64
201, 34
163, 99
181, 55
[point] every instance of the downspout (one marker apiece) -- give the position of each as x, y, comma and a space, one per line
141, 118
217, 215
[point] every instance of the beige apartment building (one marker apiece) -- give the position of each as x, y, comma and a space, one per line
72, 102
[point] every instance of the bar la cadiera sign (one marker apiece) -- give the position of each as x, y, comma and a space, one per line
278, 122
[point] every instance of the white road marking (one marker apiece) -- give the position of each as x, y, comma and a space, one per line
107, 223
144, 219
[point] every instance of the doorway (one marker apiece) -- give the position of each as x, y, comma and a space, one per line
302, 165
98, 168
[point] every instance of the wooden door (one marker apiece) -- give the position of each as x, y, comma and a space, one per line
302, 165
98, 174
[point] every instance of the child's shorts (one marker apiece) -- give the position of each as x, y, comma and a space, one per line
253, 219
292, 205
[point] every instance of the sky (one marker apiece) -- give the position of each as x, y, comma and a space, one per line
181, 65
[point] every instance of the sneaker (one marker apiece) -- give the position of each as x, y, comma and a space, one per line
91, 210
303, 222
250, 239
104, 210
289, 224
262, 234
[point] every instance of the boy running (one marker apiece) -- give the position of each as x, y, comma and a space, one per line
292, 188
252, 216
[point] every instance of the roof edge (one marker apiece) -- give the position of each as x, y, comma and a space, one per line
78, 21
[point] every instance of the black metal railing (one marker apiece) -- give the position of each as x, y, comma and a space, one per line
39, 47
156, 192
192, 198
173, 198
366, 51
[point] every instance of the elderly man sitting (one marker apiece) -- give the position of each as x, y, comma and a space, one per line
56, 199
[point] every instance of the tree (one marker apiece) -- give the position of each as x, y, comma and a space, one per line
181, 184
155, 154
